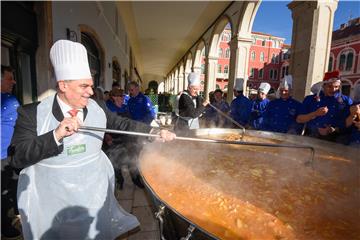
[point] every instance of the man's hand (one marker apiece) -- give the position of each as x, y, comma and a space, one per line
357, 125
205, 103
166, 135
355, 110
321, 111
326, 130
67, 127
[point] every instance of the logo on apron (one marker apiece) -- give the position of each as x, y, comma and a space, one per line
76, 149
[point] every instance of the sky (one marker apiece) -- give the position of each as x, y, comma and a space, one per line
274, 17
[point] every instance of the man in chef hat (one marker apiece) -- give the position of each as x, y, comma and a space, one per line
240, 107
281, 113
63, 167
259, 106
325, 114
190, 105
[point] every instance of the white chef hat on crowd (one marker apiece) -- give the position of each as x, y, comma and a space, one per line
193, 79
264, 87
286, 82
69, 60
239, 84
316, 87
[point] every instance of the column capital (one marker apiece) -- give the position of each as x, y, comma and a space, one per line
237, 40
213, 58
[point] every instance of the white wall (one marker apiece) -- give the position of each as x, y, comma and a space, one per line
100, 16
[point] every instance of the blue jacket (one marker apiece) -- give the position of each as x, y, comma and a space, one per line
280, 116
141, 108
338, 106
9, 105
355, 133
113, 108
241, 109
257, 112
212, 116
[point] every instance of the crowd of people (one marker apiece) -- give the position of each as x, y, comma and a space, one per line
326, 114
66, 184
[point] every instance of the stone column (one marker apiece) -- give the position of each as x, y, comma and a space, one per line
239, 62
311, 42
210, 75
181, 81
185, 85
176, 80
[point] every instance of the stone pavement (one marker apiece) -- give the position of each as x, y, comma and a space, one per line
135, 200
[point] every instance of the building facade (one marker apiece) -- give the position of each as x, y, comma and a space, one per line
344, 55
268, 60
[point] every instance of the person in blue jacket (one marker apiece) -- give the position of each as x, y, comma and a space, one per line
212, 116
140, 106
116, 103
9, 105
240, 107
353, 119
325, 112
280, 115
259, 106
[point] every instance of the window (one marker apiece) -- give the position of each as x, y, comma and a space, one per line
346, 60
342, 61
275, 74
203, 68
261, 73
225, 37
263, 43
226, 69
271, 73
273, 43
252, 71
219, 68
93, 56
330, 64
349, 62
262, 57
253, 55
277, 59
227, 53
254, 41
220, 52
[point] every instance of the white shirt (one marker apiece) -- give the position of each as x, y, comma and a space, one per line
65, 110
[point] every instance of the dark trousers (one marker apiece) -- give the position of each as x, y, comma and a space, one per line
9, 180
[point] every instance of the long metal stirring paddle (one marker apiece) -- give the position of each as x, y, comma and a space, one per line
229, 118
86, 128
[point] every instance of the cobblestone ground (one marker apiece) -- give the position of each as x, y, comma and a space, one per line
135, 200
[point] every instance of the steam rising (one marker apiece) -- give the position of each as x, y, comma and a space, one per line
237, 191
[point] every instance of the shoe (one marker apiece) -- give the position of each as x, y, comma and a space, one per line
138, 182
119, 179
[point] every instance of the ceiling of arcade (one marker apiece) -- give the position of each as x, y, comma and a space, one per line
162, 32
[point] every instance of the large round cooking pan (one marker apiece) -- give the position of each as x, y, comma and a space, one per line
248, 192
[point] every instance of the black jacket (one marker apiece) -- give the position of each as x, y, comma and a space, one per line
27, 148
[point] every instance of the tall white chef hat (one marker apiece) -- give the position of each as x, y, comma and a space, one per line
316, 87
286, 82
264, 87
193, 79
239, 84
69, 60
